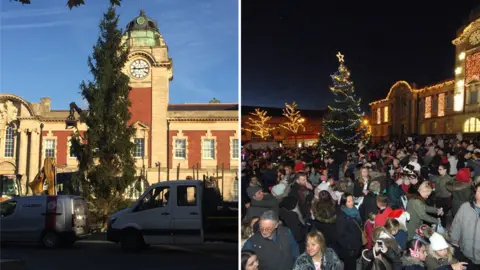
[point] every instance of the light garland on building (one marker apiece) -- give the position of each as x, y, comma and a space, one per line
385, 114
428, 107
441, 104
379, 116
472, 68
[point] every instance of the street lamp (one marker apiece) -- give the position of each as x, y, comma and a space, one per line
157, 164
365, 121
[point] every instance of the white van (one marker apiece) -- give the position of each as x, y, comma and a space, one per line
51, 220
167, 213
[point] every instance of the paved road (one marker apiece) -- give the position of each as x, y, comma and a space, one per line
99, 254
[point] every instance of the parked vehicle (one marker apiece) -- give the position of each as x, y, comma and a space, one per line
171, 212
50, 220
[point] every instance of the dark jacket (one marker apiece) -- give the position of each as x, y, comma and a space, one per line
358, 188
411, 264
279, 253
328, 228
304, 198
330, 261
349, 235
394, 194
258, 207
369, 205
393, 255
290, 219
461, 193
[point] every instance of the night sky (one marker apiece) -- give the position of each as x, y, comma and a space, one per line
288, 50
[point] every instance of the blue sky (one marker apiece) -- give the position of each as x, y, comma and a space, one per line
44, 47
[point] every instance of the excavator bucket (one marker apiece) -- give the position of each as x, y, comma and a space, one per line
46, 176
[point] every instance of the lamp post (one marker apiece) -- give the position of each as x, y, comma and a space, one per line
157, 164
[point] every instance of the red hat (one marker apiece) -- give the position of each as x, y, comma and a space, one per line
463, 175
395, 213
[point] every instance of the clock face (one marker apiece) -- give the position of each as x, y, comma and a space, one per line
139, 68
475, 37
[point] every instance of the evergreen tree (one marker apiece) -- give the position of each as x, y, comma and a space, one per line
342, 127
105, 150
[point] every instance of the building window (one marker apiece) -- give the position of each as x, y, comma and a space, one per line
50, 148
379, 116
385, 114
473, 96
208, 149
441, 104
9, 142
449, 126
433, 127
449, 102
235, 152
235, 190
435, 104
71, 152
428, 107
139, 147
180, 148
472, 125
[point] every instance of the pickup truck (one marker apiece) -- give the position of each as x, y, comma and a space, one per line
172, 212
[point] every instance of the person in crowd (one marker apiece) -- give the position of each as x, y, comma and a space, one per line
333, 168
360, 187
247, 231
465, 231
349, 233
324, 216
314, 176
260, 202
439, 253
414, 258
395, 192
385, 248
460, 189
302, 191
418, 209
249, 260
291, 218
369, 204
383, 212
443, 198
452, 160
318, 255
274, 245
392, 226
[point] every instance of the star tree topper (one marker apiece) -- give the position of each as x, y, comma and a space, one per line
340, 57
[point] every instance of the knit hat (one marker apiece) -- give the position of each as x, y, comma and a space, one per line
252, 190
437, 242
279, 189
463, 175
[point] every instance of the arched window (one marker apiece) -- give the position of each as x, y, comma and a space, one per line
472, 125
9, 142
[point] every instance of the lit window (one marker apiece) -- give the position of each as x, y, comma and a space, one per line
385, 114
379, 116
139, 147
472, 125
208, 149
180, 148
9, 142
235, 149
50, 148
441, 104
428, 107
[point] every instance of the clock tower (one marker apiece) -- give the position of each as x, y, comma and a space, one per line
150, 70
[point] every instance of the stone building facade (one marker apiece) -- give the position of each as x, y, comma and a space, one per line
171, 139
312, 122
449, 107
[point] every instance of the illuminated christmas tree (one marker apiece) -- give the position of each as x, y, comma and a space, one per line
342, 126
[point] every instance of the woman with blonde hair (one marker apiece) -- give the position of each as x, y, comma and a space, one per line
317, 256
418, 209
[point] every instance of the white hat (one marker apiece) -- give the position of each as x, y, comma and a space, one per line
416, 166
437, 242
279, 189
470, 148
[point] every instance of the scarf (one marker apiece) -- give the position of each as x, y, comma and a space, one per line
352, 212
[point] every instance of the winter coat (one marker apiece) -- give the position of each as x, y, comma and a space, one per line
465, 231
418, 214
433, 262
410, 264
358, 188
314, 178
394, 194
330, 261
349, 238
461, 193
441, 186
291, 220
369, 205
257, 208
381, 217
392, 256
328, 228
304, 197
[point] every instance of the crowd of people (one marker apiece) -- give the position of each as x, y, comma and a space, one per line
412, 204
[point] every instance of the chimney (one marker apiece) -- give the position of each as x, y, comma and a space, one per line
45, 102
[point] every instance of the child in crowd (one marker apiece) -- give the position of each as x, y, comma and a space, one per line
369, 227
440, 253
393, 227
385, 210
